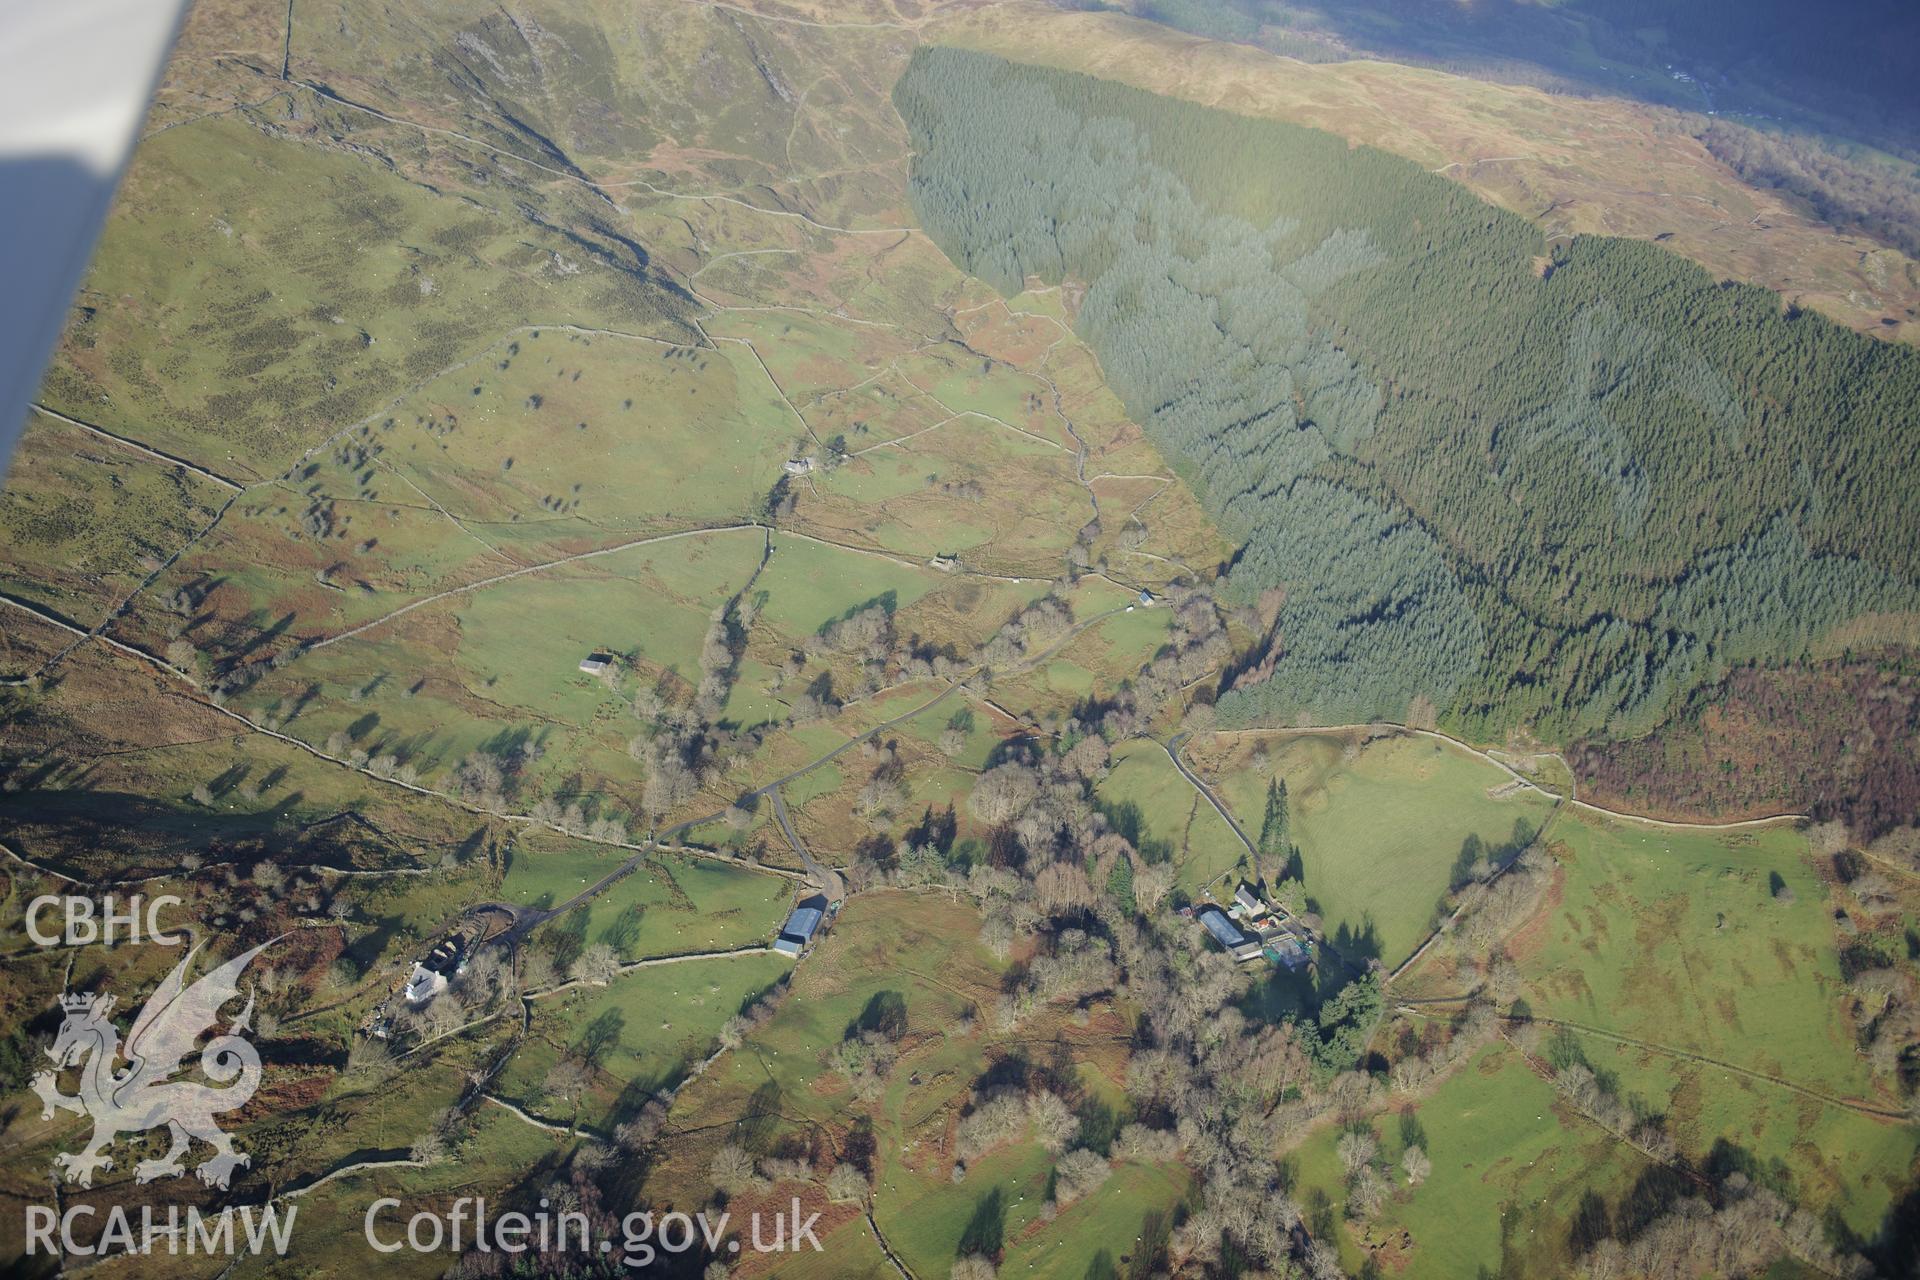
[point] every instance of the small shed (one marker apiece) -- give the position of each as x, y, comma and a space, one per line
596, 663
799, 929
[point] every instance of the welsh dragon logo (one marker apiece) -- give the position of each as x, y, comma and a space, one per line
142, 1094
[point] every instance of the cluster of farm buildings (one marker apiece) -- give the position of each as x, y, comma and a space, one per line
1249, 928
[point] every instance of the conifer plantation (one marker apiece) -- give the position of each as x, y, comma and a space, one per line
1560, 485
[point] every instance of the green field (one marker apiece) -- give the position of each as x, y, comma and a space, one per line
924, 948
1835, 1161
1175, 817
849, 1253
1677, 940
1379, 834
331, 1223
1678, 937
1094, 663
809, 585
651, 602
684, 904
564, 436
640, 1033
309, 339
927, 1215
1510, 1166
85, 521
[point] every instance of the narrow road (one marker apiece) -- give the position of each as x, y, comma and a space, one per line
1669, 1051
830, 881
1172, 747
1572, 798
481, 583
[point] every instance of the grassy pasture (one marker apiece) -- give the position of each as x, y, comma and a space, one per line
1023, 525
828, 821
560, 437
808, 356
928, 1219
1509, 1169
84, 521
684, 904
525, 638
848, 1253
260, 573
969, 487
331, 1226
1093, 663
1379, 834
965, 382
1848, 1167
132, 811
1678, 940
217, 328
1173, 816
817, 783
885, 408
778, 1091
1110, 1222
501, 663
809, 584
923, 948
1678, 937
974, 722
927, 1216
1129, 641
639, 1033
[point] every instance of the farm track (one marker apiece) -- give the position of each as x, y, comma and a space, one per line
548, 1126
1668, 1051
1560, 801
523, 571
1172, 747
1570, 797
831, 883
